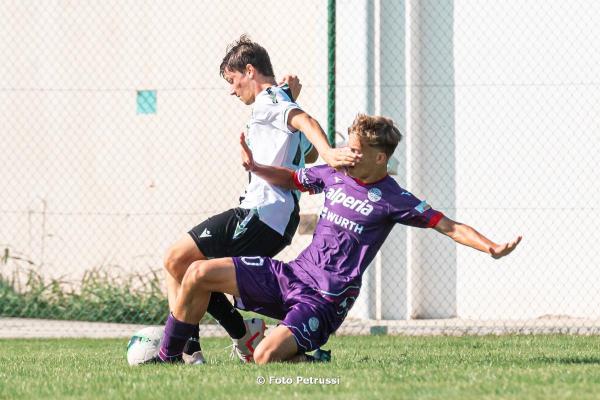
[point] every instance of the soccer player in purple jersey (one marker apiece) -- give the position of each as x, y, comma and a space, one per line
312, 294
267, 217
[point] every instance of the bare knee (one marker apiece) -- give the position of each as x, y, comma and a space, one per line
179, 257
174, 265
279, 345
199, 275
268, 354
263, 356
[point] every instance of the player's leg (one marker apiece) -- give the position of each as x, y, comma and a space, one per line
260, 286
252, 237
278, 345
209, 239
201, 278
306, 326
177, 260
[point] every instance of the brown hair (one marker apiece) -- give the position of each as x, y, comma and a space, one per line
243, 52
377, 131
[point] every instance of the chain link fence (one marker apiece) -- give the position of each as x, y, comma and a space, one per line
118, 135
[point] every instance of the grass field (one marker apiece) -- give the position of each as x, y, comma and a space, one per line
506, 367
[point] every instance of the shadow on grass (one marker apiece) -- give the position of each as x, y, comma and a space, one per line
570, 360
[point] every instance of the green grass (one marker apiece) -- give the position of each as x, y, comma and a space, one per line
508, 367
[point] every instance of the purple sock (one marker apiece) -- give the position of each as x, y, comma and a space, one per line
176, 334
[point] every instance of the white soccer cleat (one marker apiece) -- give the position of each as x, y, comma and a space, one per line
244, 347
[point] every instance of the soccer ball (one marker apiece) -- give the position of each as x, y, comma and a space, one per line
144, 345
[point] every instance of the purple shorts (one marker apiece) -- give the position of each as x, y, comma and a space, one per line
270, 287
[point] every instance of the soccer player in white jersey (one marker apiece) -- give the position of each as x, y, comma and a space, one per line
313, 293
267, 218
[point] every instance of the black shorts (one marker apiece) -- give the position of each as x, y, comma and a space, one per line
240, 232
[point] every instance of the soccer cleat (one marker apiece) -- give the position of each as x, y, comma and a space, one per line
244, 347
157, 360
192, 353
319, 356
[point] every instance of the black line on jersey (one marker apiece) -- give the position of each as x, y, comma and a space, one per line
286, 89
296, 160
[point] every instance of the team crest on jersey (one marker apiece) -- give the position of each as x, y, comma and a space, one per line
313, 324
374, 194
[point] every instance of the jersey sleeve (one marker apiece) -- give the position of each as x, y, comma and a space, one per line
281, 120
287, 104
312, 180
305, 145
274, 109
411, 211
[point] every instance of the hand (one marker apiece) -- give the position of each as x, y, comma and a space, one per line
294, 84
341, 157
247, 158
505, 249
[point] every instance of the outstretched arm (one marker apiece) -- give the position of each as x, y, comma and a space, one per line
279, 176
466, 235
342, 157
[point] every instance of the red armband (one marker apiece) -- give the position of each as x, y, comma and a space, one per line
297, 182
435, 219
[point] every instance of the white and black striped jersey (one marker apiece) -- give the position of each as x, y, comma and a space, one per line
273, 143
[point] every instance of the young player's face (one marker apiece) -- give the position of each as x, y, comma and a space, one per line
372, 157
239, 85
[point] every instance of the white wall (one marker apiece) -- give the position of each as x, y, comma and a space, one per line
527, 145
430, 160
498, 101
86, 182
501, 134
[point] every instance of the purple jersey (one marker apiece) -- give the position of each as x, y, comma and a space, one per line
354, 222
